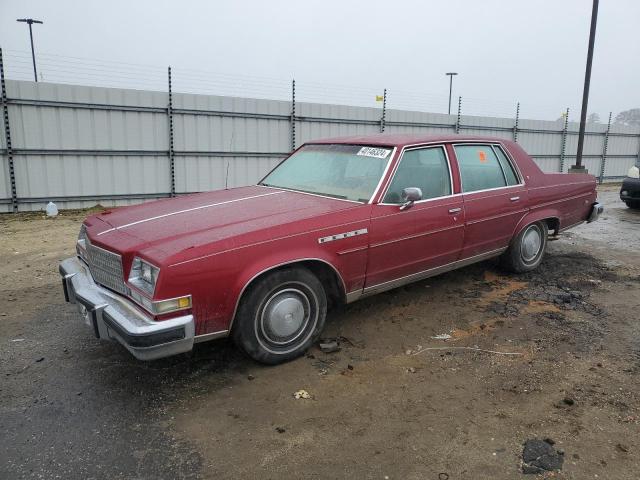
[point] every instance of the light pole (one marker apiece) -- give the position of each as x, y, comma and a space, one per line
31, 21
451, 74
578, 167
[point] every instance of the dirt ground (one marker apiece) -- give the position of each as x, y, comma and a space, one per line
561, 360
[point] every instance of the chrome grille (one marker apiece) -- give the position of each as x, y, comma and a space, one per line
106, 268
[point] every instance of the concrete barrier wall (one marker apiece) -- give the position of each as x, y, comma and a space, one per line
80, 145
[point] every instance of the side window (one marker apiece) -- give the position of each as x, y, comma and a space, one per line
507, 167
479, 168
425, 168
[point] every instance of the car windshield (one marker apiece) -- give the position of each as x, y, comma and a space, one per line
350, 172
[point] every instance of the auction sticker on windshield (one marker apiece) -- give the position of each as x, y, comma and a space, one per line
374, 152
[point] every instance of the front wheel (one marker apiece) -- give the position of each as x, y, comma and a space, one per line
527, 249
635, 205
281, 315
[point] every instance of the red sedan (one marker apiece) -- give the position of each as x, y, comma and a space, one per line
336, 221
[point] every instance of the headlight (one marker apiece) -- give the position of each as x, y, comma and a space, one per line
143, 275
634, 172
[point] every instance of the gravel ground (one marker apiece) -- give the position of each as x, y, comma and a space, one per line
394, 402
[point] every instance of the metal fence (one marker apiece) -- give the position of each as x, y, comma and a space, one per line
81, 145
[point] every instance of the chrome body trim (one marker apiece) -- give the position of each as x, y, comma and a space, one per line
384, 174
495, 146
434, 143
453, 144
312, 194
466, 194
353, 296
298, 260
102, 269
414, 277
352, 250
415, 235
455, 195
341, 236
493, 217
540, 187
399, 162
186, 211
114, 317
423, 201
507, 154
546, 204
210, 336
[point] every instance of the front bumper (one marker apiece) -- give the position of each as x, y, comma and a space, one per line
630, 190
113, 317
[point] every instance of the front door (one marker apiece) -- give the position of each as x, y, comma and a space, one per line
429, 234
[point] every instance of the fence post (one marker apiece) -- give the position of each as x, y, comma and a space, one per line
7, 137
457, 126
564, 139
604, 149
172, 163
384, 110
515, 127
293, 115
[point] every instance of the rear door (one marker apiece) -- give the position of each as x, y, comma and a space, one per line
429, 234
494, 194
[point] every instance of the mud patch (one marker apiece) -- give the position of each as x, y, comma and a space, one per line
562, 282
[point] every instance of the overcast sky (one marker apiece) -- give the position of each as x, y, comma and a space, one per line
531, 51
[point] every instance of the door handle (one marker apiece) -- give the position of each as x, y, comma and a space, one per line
514, 199
455, 210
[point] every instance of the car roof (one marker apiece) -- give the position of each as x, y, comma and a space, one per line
403, 139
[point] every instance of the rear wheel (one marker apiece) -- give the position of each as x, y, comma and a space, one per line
526, 250
281, 315
633, 204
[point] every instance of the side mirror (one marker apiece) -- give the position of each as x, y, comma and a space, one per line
410, 195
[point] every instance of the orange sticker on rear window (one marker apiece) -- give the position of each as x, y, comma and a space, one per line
482, 156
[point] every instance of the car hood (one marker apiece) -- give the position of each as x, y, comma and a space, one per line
223, 219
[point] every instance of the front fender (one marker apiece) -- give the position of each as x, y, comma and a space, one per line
276, 259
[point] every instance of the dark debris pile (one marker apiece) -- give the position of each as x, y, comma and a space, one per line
539, 456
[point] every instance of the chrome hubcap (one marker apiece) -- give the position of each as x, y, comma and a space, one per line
285, 316
531, 244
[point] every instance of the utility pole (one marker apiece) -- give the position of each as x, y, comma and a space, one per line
31, 21
450, 74
578, 167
